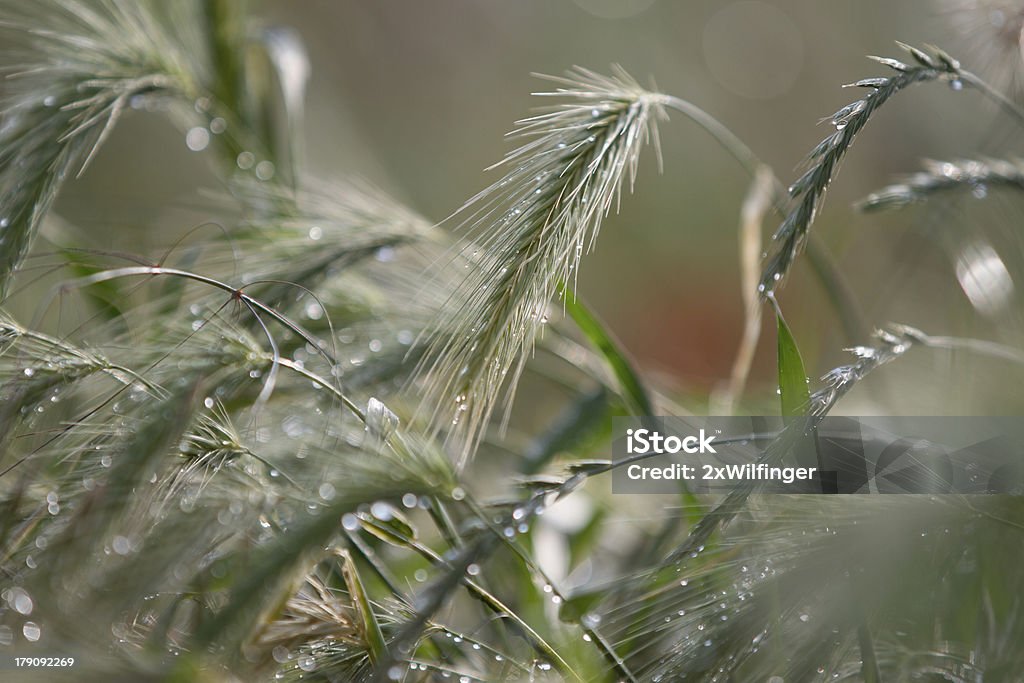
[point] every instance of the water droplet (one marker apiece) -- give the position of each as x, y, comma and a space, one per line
591, 620
20, 600
218, 126
265, 170
314, 311
245, 160
326, 491
197, 139
307, 663
29, 372
956, 84
805, 618
349, 521
382, 511
316, 232
31, 631
121, 545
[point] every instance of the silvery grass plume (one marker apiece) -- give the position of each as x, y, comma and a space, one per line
939, 177
530, 230
88, 65
85, 64
808, 191
991, 32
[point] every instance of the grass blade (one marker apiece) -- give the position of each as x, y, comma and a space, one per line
794, 395
378, 647
630, 384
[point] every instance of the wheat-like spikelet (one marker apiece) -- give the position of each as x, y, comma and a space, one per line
531, 229
940, 177
90, 64
809, 190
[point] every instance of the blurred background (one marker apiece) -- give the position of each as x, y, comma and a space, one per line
417, 98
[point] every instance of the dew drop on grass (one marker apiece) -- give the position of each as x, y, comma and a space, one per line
20, 600
314, 311
245, 160
382, 511
197, 139
31, 631
121, 545
307, 663
956, 84
265, 170
6, 636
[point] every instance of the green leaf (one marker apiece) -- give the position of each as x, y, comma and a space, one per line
376, 644
793, 392
396, 531
581, 421
632, 388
